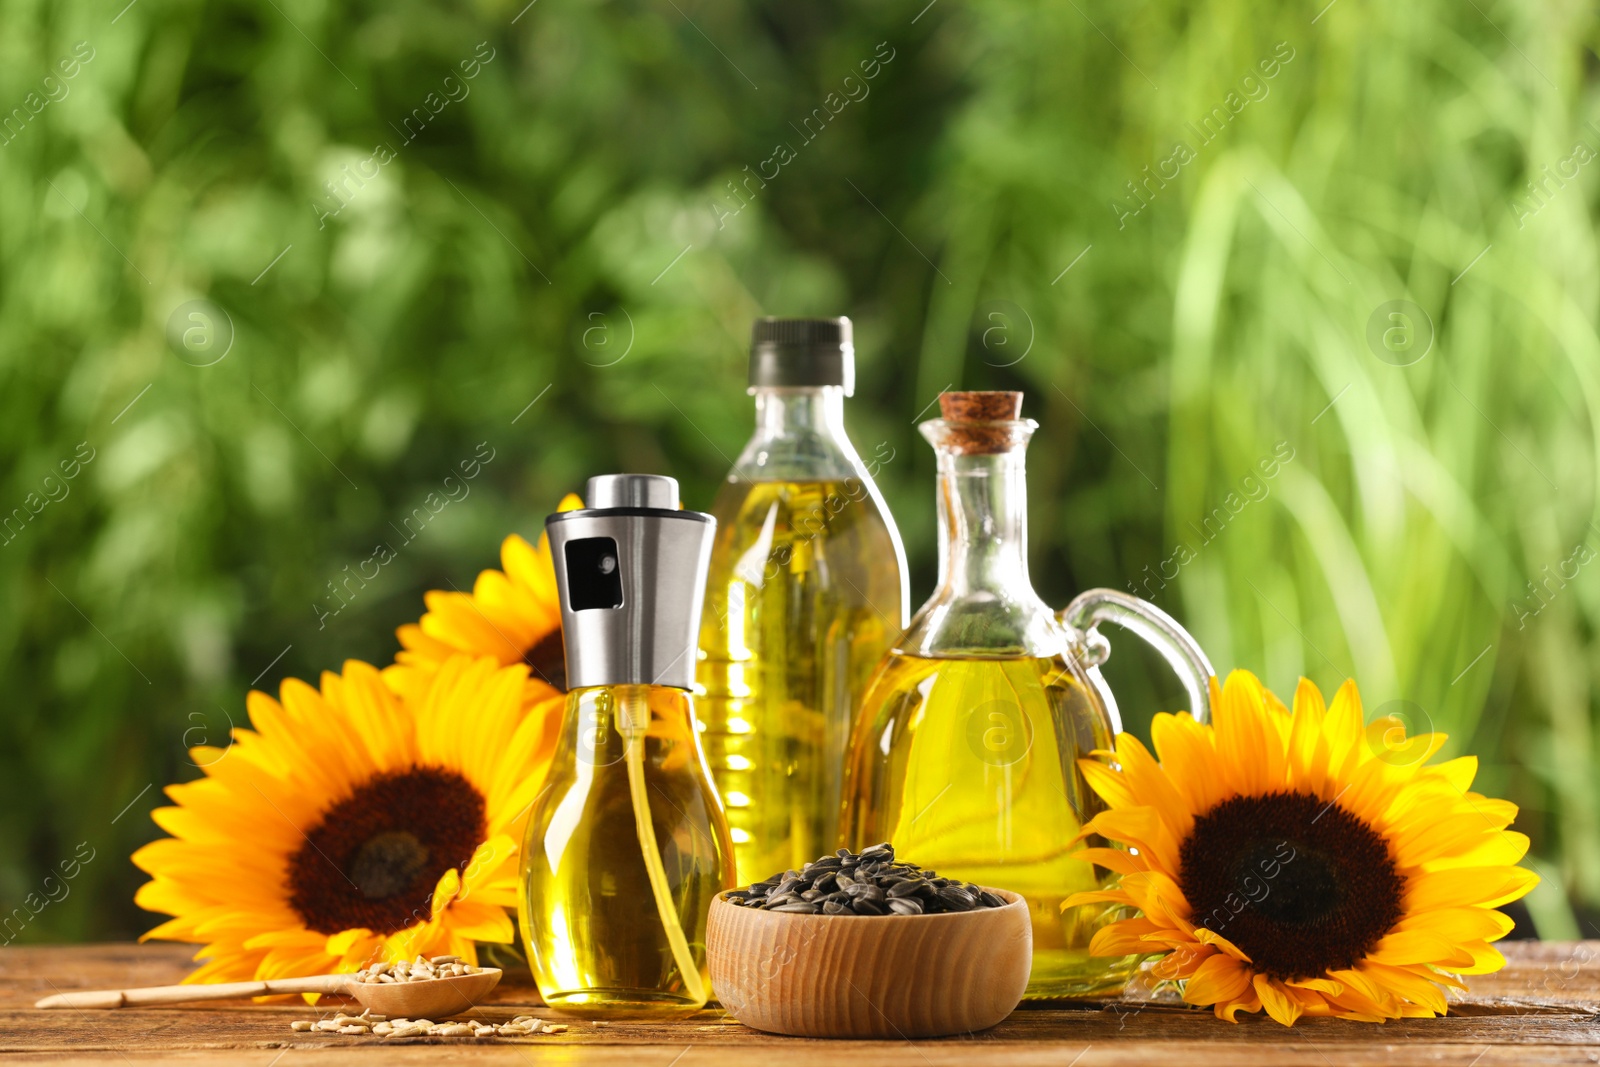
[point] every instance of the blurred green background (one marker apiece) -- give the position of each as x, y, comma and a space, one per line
1183, 229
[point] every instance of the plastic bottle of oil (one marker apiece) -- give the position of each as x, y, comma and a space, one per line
627, 844
965, 752
807, 590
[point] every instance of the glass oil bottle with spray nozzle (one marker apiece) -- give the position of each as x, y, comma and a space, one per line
807, 590
627, 844
965, 751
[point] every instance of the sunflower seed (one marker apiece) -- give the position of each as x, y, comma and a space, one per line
300, 1026
957, 898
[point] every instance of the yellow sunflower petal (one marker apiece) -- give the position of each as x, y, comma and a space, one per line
1501, 847
1122, 938
1435, 839
1157, 895
1413, 946
1147, 780
1308, 749
1460, 924
481, 922
1279, 1004
1109, 784
1247, 750
1188, 754
1343, 726
1229, 1009
1464, 886
1418, 990
1210, 937
1219, 978
1142, 828
1457, 773
1327, 986
1114, 859
1486, 959
508, 614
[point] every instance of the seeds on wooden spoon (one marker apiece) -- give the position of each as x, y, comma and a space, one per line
418, 970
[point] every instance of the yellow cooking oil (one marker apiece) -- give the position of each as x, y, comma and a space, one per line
625, 850
968, 765
803, 599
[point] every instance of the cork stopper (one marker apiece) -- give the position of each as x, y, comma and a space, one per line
980, 407
970, 419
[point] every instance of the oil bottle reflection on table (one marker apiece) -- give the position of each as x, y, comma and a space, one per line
965, 751
627, 844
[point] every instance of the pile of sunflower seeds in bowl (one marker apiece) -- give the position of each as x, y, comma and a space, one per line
865, 883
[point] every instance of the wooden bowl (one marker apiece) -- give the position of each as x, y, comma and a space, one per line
889, 976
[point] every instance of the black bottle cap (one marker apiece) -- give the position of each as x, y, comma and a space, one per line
802, 353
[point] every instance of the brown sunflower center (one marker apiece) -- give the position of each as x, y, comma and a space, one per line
376, 856
548, 659
1300, 885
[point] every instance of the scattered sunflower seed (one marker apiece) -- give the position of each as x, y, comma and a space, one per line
381, 1026
866, 883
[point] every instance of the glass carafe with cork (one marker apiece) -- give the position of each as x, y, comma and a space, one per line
965, 752
807, 590
627, 843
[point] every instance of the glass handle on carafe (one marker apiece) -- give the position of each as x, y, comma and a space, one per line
1159, 630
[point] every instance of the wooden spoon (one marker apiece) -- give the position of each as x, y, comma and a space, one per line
427, 999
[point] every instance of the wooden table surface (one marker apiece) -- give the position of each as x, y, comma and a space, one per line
1544, 1008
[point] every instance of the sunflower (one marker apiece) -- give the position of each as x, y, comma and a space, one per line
1300, 862
352, 824
512, 615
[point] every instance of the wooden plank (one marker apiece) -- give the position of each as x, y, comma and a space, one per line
1541, 1009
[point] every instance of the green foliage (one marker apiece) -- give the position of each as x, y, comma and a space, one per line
559, 230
